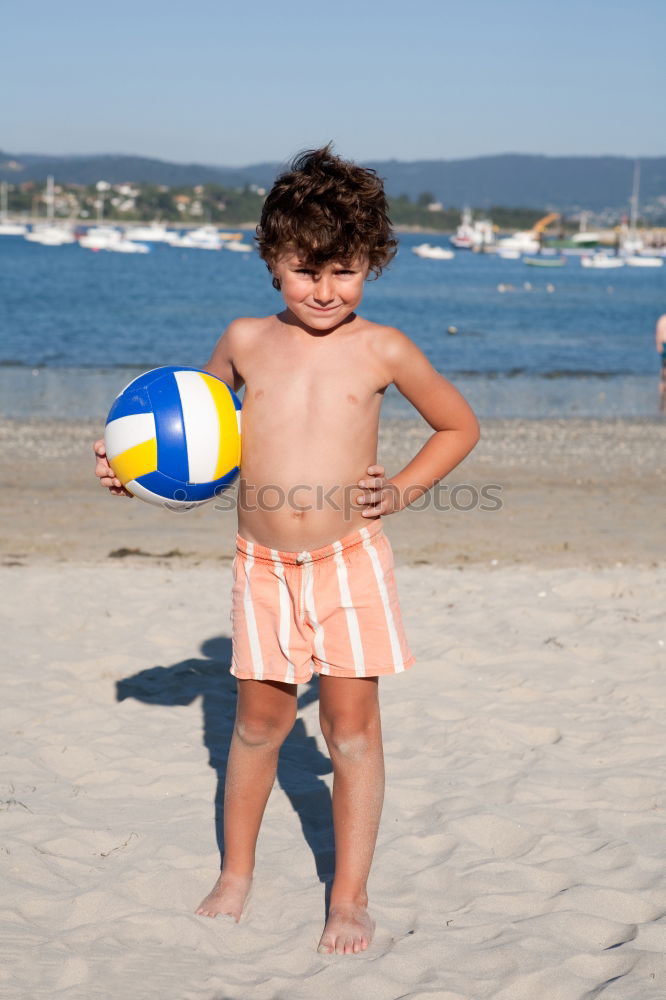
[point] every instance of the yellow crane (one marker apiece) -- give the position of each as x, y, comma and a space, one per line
539, 226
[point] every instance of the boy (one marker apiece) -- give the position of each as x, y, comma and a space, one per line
313, 574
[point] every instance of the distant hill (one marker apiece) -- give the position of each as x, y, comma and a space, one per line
564, 183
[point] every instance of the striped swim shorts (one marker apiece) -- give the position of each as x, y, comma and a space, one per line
332, 610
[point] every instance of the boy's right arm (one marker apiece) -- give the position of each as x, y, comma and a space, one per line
221, 363
223, 360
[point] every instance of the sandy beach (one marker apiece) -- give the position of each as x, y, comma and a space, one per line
521, 851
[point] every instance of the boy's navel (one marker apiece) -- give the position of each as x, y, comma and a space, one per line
351, 398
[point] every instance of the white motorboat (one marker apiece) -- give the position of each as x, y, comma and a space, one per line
585, 239
643, 260
602, 261
12, 228
190, 243
126, 246
100, 237
473, 234
523, 242
433, 252
204, 238
509, 254
156, 232
238, 246
50, 236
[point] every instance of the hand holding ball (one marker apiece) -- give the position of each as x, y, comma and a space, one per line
172, 437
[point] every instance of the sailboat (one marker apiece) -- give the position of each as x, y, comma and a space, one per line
8, 228
633, 245
51, 234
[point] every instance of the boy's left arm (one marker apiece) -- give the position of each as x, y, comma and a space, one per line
456, 430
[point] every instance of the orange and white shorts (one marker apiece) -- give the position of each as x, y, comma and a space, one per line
333, 610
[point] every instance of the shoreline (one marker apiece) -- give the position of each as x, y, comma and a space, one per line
41, 391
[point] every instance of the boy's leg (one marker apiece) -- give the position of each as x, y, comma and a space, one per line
265, 714
351, 726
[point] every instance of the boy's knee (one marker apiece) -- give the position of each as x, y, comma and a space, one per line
262, 731
351, 742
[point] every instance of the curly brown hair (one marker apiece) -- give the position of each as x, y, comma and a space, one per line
325, 208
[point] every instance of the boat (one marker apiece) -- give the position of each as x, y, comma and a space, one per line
155, 232
601, 260
643, 260
49, 233
473, 235
50, 236
203, 238
545, 261
523, 242
238, 246
527, 241
582, 240
433, 252
509, 254
100, 237
8, 228
124, 245
632, 244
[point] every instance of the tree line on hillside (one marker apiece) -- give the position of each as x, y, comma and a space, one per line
570, 184
224, 206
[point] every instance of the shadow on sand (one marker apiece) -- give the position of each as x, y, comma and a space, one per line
300, 763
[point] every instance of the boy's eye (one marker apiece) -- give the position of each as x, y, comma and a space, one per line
309, 270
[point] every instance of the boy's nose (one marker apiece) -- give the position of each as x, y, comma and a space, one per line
323, 290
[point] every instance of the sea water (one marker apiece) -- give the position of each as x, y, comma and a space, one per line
76, 326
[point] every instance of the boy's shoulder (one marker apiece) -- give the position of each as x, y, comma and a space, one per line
244, 327
388, 341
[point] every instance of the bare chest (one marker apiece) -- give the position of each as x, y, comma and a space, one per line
319, 383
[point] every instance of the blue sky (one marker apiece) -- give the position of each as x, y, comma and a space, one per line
242, 82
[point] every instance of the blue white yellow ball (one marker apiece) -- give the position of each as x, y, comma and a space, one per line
173, 437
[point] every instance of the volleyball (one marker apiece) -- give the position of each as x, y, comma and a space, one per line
173, 437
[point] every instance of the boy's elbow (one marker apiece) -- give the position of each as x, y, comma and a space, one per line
474, 433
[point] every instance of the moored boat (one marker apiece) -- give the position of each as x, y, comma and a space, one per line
545, 261
100, 237
601, 261
643, 260
430, 252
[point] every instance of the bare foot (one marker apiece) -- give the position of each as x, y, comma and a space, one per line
348, 930
227, 897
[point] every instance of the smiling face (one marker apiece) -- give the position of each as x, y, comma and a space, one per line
322, 296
